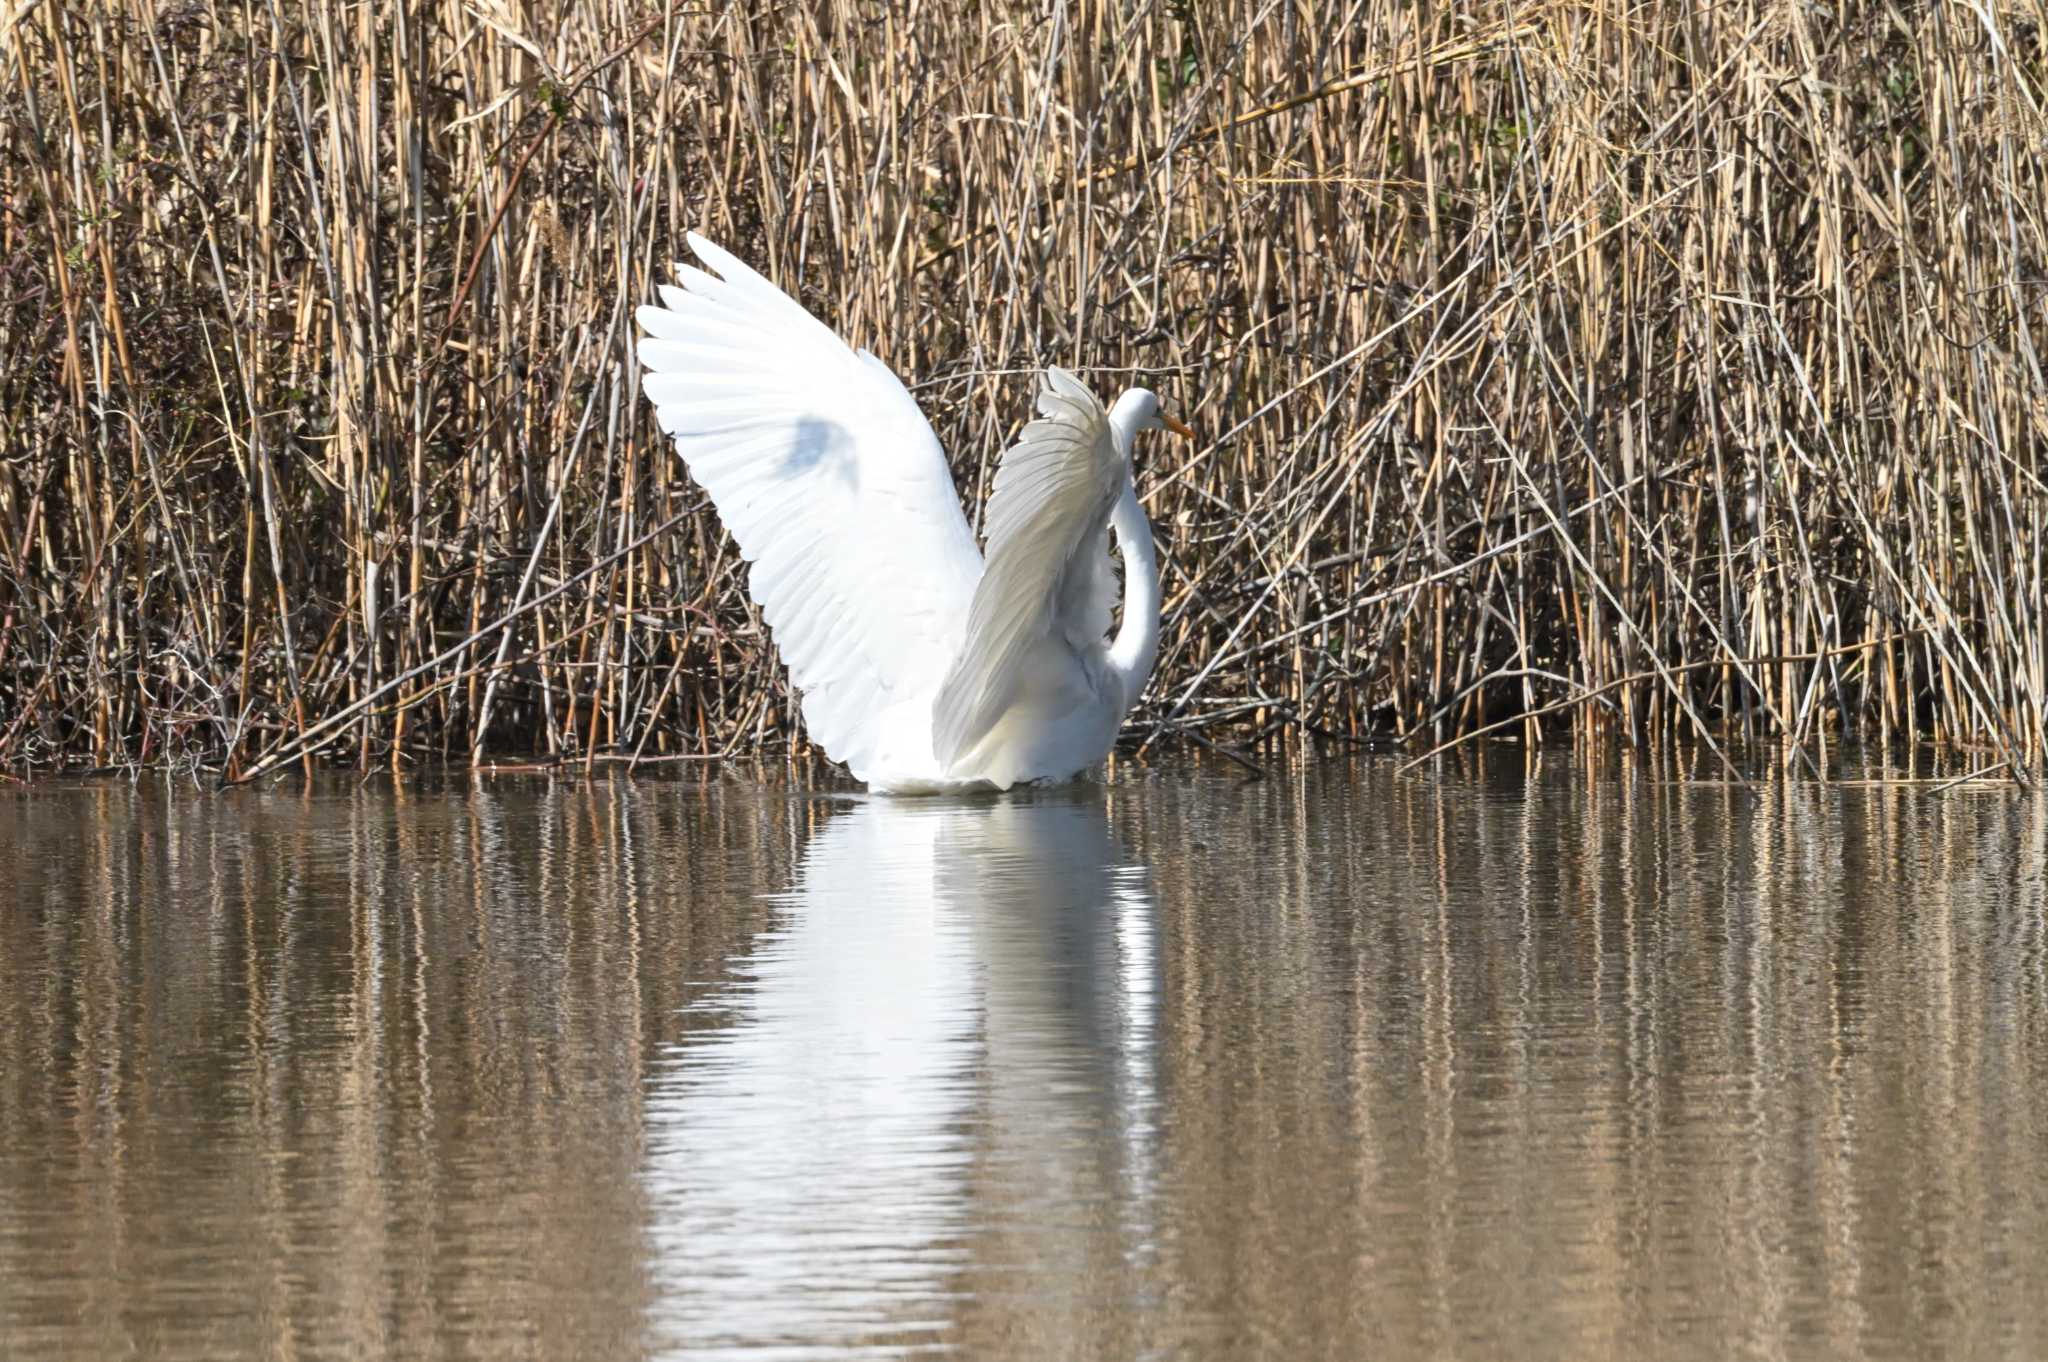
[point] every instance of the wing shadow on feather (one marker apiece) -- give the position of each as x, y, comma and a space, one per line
822, 444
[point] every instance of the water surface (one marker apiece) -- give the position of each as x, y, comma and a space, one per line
1532, 1065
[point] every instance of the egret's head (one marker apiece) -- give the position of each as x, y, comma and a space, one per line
1138, 409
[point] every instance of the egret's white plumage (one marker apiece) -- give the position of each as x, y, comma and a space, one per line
921, 668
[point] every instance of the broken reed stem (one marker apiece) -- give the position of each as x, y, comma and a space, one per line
1664, 375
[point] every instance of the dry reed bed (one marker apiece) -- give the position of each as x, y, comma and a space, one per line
1665, 372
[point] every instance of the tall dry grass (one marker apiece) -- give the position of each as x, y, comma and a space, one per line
1668, 372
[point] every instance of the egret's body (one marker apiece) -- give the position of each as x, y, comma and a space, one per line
922, 666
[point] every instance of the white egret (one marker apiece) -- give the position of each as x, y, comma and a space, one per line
921, 667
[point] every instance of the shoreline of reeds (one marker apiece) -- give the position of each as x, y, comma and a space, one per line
1654, 375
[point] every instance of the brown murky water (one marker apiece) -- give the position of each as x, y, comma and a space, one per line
1333, 1064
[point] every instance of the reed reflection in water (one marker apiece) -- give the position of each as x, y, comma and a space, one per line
1577, 1064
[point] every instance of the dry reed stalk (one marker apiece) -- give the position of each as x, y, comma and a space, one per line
1662, 375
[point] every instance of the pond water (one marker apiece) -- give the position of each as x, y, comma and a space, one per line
1551, 1064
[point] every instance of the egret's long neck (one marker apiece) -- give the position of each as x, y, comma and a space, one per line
1137, 641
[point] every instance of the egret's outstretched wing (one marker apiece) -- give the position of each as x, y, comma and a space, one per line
1048, 559
832, 484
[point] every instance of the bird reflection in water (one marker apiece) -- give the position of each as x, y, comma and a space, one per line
914, 1094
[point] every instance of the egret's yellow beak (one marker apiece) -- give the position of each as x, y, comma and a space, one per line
1177, 427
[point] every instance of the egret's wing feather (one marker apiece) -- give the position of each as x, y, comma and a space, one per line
830, 481
1048, 565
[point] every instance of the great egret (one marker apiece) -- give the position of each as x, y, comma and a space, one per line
922, 667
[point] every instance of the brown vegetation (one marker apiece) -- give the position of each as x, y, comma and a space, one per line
1662, 372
